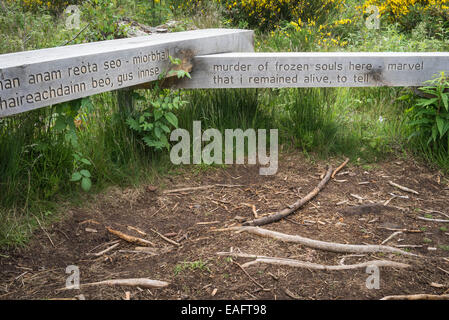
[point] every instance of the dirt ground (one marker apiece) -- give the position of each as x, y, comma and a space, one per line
191, 218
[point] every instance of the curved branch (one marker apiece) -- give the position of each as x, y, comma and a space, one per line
292, 208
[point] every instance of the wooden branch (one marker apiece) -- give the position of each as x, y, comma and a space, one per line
129, 238
292, 208
321, 245
137, 230
315, 266
432, 220
166, 239
248, 275
310, 265
340, 167
399, 229
417, 297
402, 187
105, 250
435, 211
136, 282
394, 234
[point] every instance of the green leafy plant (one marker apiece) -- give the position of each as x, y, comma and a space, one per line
154, 122
429, 117
81, 175
65, 124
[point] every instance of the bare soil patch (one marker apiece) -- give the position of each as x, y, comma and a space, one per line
191, 218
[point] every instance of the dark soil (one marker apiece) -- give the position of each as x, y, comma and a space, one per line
192, 217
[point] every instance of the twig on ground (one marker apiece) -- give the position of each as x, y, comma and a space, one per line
105, 250
321, 245
136, 282
292, 208
417, 297
394, 234
432, 220
403, 230
45, 231
339, 168
315, 266
435, 211
137, 230
166, 239
253, 208
129, 238
402, 187
249, 276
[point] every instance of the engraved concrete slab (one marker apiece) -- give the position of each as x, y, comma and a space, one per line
38, 78
317, 69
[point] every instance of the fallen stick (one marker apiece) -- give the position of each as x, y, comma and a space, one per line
166, 239
315, 266
394, 234
292, 208
311, 265
136, 282
321, 245
432, 220
253, 208
248, 275
402, 187
105, 250
417, 297
439, 212
339, 168
137, 230
403, 230
202, 188
129, 238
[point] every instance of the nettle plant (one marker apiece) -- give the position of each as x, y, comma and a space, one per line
65, 124
153, 122
430, 116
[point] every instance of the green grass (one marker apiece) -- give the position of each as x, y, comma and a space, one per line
191, 266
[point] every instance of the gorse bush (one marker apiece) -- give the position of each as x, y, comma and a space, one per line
409, 13
267, 14
54, 6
